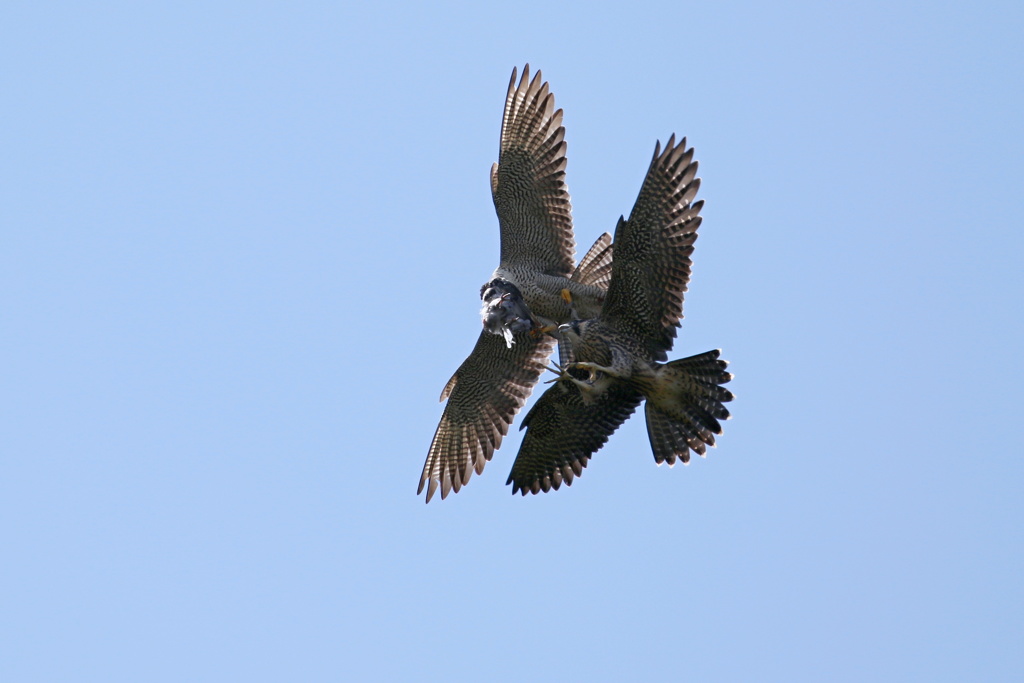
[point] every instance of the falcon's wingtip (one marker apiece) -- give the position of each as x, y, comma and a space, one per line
430, 489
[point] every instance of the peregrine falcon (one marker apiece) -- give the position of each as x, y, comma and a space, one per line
611, 363
534, 289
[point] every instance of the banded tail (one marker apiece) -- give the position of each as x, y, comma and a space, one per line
689, 402
595, 268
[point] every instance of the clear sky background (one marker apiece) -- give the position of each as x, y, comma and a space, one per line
241, 246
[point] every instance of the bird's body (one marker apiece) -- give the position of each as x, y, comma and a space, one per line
535, 287
535, 213
545, 298
613, 362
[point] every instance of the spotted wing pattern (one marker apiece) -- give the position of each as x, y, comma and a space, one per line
528, 182
484, 394
564, 432
652, 251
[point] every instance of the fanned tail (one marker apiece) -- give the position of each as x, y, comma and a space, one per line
683, 414
595, 268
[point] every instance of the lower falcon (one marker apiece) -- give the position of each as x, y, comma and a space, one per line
613, 362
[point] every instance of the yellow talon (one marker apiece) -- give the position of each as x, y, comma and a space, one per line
558, 370
567, 296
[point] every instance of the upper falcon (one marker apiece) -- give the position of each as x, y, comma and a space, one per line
534, 288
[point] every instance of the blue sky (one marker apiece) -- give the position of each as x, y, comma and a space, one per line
242, 246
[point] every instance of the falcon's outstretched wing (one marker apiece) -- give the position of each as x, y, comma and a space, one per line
528, 182
652, 251
563, 433
484, 394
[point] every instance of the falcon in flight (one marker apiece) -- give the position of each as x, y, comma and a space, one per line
535, 288
612, 362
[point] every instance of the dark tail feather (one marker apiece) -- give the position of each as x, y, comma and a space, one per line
595, 268
688, 418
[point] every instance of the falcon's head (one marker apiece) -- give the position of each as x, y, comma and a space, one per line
504, 312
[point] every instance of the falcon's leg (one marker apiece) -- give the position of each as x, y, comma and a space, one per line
542, 326
563, 375
558, 370
621, 367
589, 391
589, 388
593, 369
600, 377
592, 388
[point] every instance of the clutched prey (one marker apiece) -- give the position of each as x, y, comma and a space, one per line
504, 311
